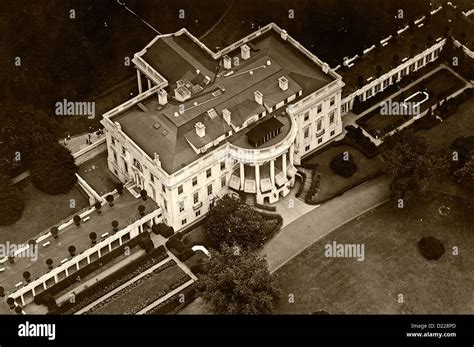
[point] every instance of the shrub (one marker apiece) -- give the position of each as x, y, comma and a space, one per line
186, 254
343, 164
119, 187
163, 230
175, 243
266, 207
431, 248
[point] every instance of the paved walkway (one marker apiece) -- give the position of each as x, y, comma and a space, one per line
312, 226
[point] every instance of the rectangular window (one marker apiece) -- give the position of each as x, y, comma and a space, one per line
332, 133
152, 178
369, 93
126, 166
223, 165
319, 108
306, 116
181, 206
196, 197
124, 151
332, 101
163, 188
306, 132
198, 213
165, 205
331, 117
208, 172
377, 88
223, 181
209, 189
319, 125
320, 140
113, 140
184, 221
195, 181
115, 156
306, 148
180, 189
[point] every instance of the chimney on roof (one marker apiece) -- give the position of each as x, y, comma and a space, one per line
258, 97
227, 116
162, 97
325, 67
284, 35
245, 52
227, 62
283, 83
200, 129
157, 159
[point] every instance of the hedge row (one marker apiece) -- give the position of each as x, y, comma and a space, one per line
272, 216
356, 138
313, 189
88, 269
301, 187
176, 302
265, 207
114, 280
179, 248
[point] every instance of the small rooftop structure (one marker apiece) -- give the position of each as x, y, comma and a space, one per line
264, 131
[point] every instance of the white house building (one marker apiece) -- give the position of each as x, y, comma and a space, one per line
206, 123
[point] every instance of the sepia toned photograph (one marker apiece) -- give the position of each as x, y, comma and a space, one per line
187, 160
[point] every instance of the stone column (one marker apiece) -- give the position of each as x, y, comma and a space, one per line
242, 176
272, 173
149, 83
257, 177
139, 79
292, 152
283, 163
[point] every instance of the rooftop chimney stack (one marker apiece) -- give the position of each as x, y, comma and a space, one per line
283, 83
284, 35
227, 116
245, 52
258, 97
200, 129
162, 97
227, 62
325, 67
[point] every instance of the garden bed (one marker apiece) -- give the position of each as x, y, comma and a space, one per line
144, 291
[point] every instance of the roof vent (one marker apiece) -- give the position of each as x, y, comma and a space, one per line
182, 93
258, 97
212, 113
200, 129
162, 97
245, 52
226, 114
283, 83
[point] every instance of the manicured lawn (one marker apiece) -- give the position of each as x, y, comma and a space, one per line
392, 265
439, 85
41, 212
96, 173
138, 297
331, 183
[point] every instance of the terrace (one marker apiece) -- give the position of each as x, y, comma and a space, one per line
125, 211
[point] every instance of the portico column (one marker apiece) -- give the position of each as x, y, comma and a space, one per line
257, 177
292, 152
283, 163
242, 175
149, 83
139, 79
272, 173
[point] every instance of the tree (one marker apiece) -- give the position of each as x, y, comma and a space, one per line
27, 276
461, 151
115, 225
410, 164
141, 210
110, 200
119, 188
77, 220
143, 194
465, 174
93, 237
11, 201
53, 170
232, 221
49, 263
343, 164
98, 206
11, 303
236, 281
54, 231
72, 250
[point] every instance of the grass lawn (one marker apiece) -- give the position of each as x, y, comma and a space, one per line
392, 265
332, 183
144, 293
41, 212
459, 124
96, 173
438, 86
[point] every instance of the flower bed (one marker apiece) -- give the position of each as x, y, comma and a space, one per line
175, 303
114, 280
144, 291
